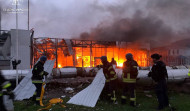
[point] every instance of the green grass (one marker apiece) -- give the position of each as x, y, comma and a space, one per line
180, 101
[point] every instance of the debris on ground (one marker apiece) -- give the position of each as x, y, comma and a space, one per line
69, 90
63, 96
146, 91
148, 95
68, 87
80, 86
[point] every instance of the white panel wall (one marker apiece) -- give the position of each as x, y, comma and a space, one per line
89, 96
23, 47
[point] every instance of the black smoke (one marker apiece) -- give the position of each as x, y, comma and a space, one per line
152, 20
139, 27
176, 13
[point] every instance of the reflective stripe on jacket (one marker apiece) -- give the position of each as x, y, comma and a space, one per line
38, 71
189, 73
109, 72
130, 71
6, 85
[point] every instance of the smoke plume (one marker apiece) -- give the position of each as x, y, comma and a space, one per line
163, 20
128, 20
138, 27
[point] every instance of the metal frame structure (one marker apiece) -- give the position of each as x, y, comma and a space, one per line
51, 46
44, 44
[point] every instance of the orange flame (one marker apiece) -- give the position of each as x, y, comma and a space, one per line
59, 66
86, 57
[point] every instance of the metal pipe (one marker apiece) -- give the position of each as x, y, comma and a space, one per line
56, 42
31, 48
91, 54
28, 14
68, 72
11, 74
173, 75
82, 55
0, 17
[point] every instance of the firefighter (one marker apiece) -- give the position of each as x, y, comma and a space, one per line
4, 90
129, 76
37, 77
113, 62
159, 74
111, 80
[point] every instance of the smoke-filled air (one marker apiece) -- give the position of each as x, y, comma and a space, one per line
121, 20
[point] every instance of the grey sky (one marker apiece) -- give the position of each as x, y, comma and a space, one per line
69, 18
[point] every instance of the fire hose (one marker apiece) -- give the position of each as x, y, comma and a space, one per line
53, 102
42, 93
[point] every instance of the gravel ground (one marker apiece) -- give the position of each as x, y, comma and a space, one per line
66, 86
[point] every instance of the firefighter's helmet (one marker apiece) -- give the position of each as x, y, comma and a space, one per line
43, 58
104, 58
129, 56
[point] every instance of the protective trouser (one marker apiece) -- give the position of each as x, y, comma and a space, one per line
112, 90
37, 93
2, 107
109, 91
105, 93
129, 87
161, 93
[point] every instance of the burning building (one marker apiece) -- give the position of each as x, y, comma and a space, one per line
87, 53
174, 54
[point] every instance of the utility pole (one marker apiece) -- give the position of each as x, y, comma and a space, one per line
17, 39
28, 14
0, 17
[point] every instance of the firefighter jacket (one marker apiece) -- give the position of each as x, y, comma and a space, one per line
4, 85
158, 71
109, 72
38, 73
189, 73
130, 71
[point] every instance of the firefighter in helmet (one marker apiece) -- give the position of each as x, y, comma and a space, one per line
113, 62
111, 80
129, 76
159, 74
37, 77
